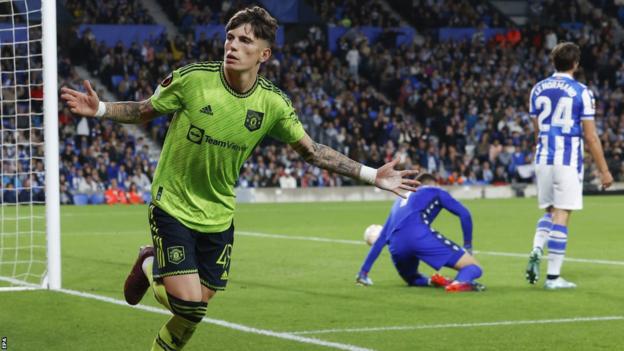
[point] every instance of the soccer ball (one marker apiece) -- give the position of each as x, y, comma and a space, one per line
372, 233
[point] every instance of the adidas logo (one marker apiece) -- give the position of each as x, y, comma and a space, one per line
207, 110
224, 276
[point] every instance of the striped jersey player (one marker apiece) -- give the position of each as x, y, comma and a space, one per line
563, 113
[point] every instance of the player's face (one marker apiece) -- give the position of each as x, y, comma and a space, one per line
243, 51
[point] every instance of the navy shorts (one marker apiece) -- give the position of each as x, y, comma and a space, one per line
180, 250
412, 243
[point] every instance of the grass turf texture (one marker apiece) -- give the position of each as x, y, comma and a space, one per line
297, 285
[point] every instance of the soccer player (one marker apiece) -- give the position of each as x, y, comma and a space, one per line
223, 110
563, 112
410, 239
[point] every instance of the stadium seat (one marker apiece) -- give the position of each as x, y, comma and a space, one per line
116, 79
81, 199
97, 199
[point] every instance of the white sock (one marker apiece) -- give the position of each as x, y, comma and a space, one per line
540, 239
557, 242
541, 231
554, 264
147, 264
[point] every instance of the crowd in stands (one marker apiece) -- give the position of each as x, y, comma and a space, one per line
188, 13
427, 14
462, 107
108, 12
456, 109
353, 13
100, 162
21, 129
613, 7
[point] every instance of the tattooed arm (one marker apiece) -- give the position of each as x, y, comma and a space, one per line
130, 112
327, 158
122, 112
323, 156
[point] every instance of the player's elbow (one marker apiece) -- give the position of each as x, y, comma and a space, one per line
308, 155
464, 214
591, 139
312, 153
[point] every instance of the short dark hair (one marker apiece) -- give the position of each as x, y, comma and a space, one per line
565, 55
426, 177
262, 23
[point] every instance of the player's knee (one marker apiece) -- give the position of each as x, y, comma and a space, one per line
192, 311
466, 260
474, 261
478, 271
207, 294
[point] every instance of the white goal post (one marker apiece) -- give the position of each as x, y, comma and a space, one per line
30, 250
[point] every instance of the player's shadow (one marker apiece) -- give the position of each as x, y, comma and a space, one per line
250, 285
348, 296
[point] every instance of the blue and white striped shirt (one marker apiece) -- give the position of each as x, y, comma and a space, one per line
560, 103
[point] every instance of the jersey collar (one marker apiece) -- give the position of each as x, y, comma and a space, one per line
562, 75
227, 86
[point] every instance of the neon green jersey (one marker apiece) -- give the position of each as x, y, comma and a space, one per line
213, 132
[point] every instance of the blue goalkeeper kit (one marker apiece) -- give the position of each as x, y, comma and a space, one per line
410, 237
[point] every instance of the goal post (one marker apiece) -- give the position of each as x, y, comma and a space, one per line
30, 256
51, 147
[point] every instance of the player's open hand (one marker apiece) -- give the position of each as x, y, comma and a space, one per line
81, 103
392, 180
606, 179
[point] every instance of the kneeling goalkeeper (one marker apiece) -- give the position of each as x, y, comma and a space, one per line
411, 239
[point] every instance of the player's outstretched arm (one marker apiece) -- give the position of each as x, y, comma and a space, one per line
89, 105
595, 147
386, 177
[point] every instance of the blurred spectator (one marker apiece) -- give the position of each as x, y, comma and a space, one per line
135, 196
114, 194
286, 180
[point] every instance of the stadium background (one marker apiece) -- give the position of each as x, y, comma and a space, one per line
443, 85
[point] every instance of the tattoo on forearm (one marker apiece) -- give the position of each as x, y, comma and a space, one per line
325, 157
129, 112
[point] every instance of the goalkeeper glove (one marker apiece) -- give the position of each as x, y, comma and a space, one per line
363, 279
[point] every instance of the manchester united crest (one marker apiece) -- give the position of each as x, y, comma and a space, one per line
176, 254
253, 121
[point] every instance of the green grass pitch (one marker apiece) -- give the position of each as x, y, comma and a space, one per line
292, 286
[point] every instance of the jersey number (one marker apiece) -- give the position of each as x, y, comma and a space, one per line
562, 117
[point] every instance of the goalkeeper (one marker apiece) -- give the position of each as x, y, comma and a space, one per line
222, 111
410, 239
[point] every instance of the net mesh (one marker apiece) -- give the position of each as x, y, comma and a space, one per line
22, 212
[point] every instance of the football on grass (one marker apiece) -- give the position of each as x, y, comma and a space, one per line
372, 233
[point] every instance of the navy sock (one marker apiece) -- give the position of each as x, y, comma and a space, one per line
421, 280
468, 273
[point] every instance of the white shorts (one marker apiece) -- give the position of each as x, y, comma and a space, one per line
559, 186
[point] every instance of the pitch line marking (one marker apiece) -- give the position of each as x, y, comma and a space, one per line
358, 242
461, 325
222, 323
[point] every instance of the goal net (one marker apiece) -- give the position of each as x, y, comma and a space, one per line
29, 208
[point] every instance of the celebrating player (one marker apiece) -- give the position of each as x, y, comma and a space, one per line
222, 111
563, 112
410, 239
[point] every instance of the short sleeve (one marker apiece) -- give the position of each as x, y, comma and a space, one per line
589, 104
532, 110
287, 128
168, 95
